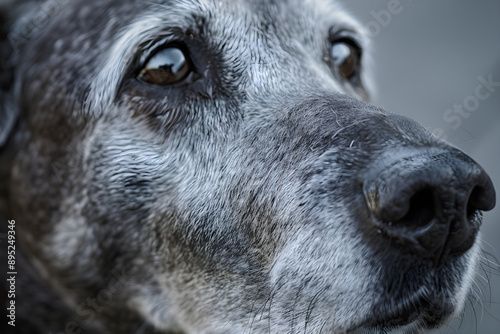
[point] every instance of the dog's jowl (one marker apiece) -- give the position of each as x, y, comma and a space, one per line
203, 166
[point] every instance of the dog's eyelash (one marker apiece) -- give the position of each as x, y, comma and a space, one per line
148, 49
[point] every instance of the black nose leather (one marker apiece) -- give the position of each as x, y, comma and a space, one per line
428, 200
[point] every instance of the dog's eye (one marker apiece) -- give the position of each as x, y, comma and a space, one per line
346, 57
166, 67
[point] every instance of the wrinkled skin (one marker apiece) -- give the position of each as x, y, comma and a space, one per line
227, 205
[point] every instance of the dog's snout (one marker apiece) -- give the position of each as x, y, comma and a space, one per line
428, 201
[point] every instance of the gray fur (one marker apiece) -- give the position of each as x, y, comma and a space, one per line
228, 205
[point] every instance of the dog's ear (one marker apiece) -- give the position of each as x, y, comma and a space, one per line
8, 114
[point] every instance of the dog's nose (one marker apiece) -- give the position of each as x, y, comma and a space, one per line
428, 201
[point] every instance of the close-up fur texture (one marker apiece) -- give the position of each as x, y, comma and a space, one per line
215, 166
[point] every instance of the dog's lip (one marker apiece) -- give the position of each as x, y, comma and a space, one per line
394, 325
392, 321
415, 312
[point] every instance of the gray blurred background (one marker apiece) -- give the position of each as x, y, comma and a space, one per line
428, 56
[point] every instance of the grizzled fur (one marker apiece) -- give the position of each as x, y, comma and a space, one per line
229, 205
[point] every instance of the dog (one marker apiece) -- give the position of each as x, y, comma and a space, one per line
201, 166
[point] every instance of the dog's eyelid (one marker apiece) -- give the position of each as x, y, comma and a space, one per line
150, 48
346, 35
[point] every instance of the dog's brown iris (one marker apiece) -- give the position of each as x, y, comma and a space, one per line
345, 58
166, 67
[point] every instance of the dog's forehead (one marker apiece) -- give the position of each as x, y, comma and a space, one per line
253, 11
227, 19
306, 21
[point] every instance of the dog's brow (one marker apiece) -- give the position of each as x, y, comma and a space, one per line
104, 86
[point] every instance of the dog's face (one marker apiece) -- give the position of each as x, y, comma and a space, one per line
217, 154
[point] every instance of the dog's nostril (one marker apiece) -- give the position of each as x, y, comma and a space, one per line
471, 205
422, 209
